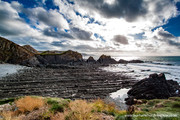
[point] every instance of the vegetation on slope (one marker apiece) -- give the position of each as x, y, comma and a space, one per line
46, 108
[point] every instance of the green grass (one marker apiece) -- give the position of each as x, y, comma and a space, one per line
169, 110
57, 105
9, 100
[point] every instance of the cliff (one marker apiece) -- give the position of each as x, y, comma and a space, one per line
61, 58
13, 53
31, 49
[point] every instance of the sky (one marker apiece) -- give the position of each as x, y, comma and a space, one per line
94, 27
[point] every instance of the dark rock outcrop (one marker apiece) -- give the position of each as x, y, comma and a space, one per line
31, 49
91, 60
154, 87
135, 61
61, 58
13, 53
106, 60
123, 61
131, 61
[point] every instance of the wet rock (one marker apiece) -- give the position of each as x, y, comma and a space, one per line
104, 59
123, 61
135, 61
154, 87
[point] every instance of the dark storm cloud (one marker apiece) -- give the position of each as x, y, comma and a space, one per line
120, 39
128, 9
57, 34
81, 34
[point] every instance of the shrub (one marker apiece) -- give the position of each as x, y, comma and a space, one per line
28, 104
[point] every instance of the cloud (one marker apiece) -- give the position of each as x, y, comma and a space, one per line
121, 39
164, 36
57, 34
10, 22
81, 34
50, 18
128, 9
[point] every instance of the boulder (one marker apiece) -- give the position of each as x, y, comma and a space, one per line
154, 87
104, 59
91, 60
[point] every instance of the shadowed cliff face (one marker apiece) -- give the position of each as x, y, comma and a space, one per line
13, 53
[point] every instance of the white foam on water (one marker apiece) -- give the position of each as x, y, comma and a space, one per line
143, 70
7, 69
120, 95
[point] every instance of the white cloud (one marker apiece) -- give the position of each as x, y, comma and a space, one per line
84, 22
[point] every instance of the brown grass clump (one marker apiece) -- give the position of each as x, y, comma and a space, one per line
28, 104
9, 115
81, 110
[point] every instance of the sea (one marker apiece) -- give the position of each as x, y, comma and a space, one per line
169, 65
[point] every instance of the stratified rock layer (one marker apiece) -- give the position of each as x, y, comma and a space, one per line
67, 81
62, 58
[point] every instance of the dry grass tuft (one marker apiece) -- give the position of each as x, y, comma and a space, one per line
9, 115
28, 104
81, 110
60, 116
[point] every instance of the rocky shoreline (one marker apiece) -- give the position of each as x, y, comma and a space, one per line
74, 82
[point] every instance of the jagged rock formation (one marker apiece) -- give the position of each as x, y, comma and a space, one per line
106, 60
154, 87
62, 58
13, 53
31, 49
91, 60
